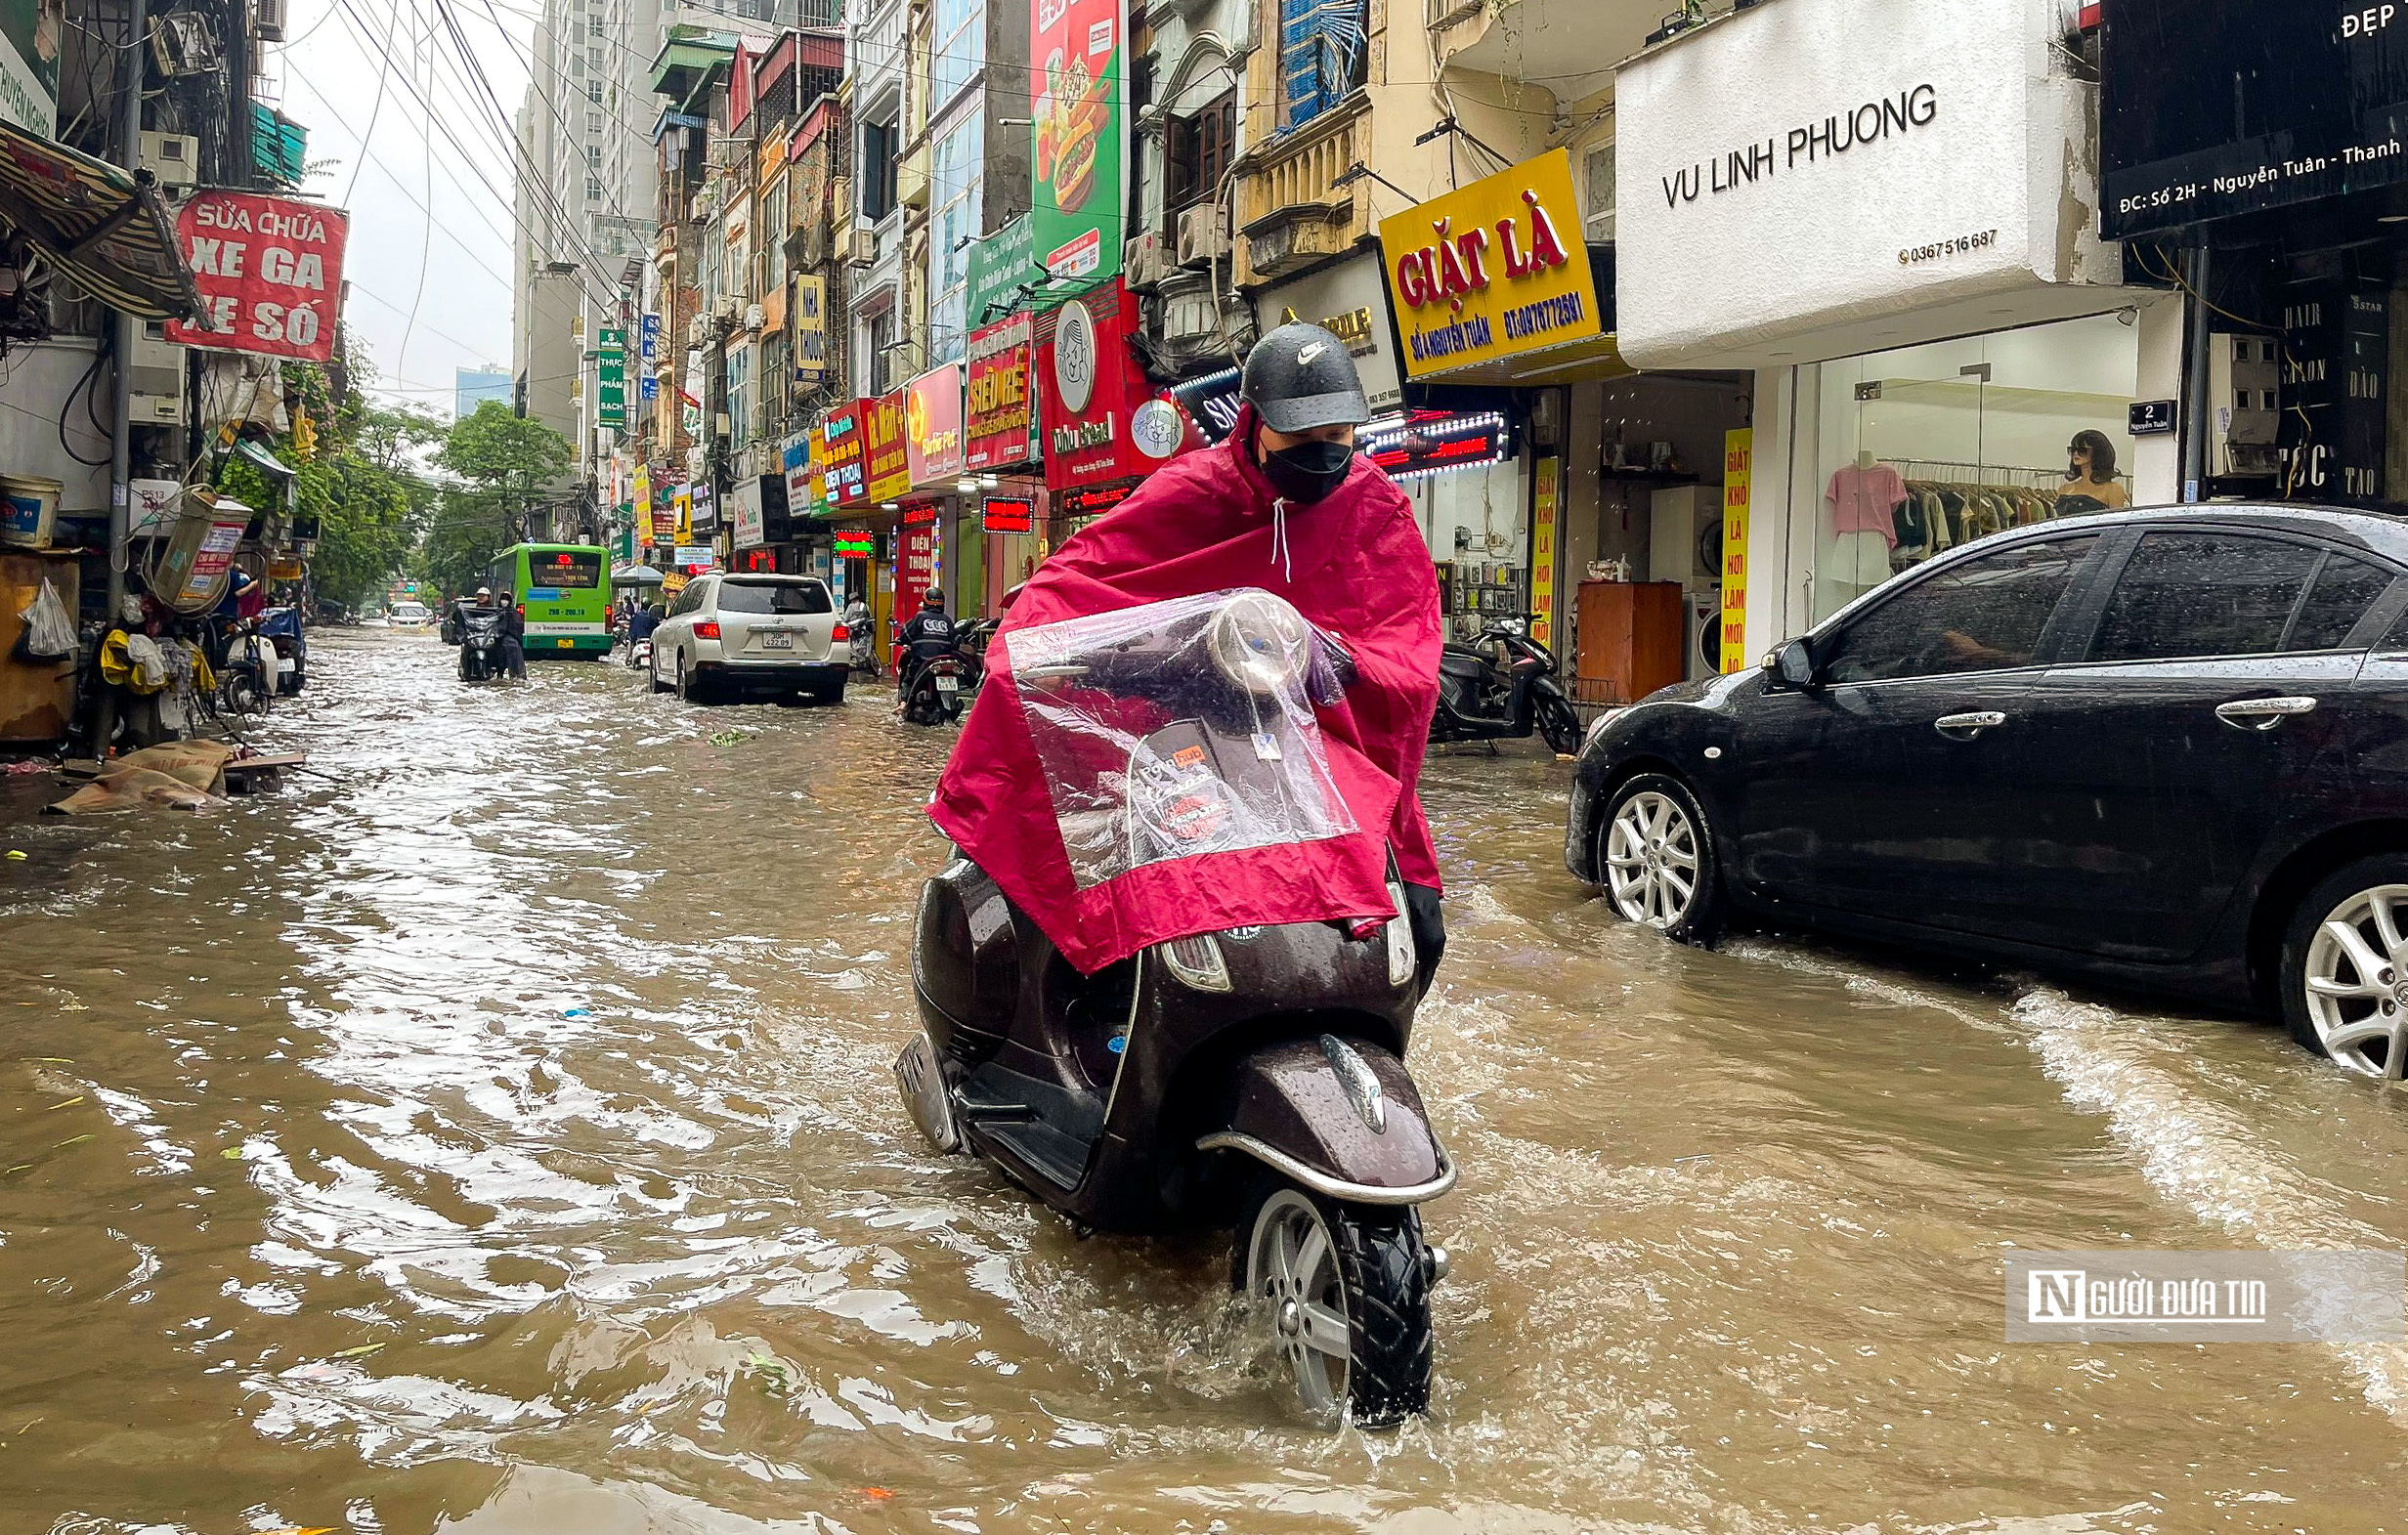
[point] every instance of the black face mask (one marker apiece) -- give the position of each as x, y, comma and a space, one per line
1309, 471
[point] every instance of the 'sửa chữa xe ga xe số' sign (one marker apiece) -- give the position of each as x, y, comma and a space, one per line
270, 270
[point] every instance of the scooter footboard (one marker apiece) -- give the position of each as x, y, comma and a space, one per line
1341, 1118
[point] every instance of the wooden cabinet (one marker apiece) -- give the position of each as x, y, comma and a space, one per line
1630, 640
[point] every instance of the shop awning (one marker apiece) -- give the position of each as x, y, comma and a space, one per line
92, 222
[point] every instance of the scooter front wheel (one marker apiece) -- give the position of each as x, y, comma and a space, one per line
1349, 1287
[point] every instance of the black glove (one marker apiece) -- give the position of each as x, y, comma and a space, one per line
1330, 672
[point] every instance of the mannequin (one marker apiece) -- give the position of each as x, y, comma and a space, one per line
2090, 480
1862, 497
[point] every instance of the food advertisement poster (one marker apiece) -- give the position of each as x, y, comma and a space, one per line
270, 270
1000, 415
886, 456
1075, 226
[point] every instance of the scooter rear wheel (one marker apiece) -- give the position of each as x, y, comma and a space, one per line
1349, 1290
1559, 726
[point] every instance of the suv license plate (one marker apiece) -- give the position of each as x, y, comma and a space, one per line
948, 684
777, 642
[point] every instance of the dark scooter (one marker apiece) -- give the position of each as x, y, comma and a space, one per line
935, 694
1252, 1078
1501, 687
477, 631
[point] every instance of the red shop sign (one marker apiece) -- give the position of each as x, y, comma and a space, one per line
884, 448
1101, 419
270, 270
1001, 411
1001, 515
836, 456
920, 514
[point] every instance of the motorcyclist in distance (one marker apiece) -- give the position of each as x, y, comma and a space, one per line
928, 635
513, 634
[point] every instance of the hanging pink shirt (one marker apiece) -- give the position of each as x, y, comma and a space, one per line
1862, 500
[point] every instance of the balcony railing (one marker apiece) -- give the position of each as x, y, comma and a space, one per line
1293, 212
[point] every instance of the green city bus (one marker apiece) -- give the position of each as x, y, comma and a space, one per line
564, 593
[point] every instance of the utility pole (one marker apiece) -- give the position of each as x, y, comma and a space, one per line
120, 392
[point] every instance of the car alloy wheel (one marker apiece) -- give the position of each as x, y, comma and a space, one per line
2354, 985
1653, 869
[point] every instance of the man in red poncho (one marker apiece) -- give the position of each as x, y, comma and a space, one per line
1285, 505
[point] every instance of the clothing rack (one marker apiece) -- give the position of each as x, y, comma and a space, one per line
1984, 474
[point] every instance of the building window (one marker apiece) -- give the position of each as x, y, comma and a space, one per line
597, 59
577, 65
952, 182
961, 38
596, 26
1321, 56
773, 237
593, 90
593, 154
1199, 149
878, 145
593, 189
593, 122
881, 350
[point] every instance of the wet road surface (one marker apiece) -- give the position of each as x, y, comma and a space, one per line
492, 1133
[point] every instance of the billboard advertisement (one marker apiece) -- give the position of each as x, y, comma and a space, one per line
270, 270
999, 416
1101, 419
885, 454
1075, 226
837, 456
932, 425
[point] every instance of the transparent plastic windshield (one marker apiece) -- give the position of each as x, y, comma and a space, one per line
1178, 728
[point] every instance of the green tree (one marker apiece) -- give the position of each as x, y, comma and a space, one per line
502, 461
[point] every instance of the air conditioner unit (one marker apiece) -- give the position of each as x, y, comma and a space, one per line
173, 159
268, 20
694, 331
753, 317
155, 380
1203, 236
1142, 260
861, 248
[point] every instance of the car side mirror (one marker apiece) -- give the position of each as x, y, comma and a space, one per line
1794, 664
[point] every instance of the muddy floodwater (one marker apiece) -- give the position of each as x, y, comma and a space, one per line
493, 1134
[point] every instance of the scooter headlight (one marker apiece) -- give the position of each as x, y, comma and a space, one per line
1401, 954
1258, 642
1197, 962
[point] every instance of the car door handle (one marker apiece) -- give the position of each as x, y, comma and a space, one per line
1972, 724
2261, 714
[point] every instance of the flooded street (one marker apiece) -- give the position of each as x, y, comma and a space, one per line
493, 1134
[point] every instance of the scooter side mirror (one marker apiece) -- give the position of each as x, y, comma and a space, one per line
1794, 664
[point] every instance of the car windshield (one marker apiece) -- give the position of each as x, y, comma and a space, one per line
797, 596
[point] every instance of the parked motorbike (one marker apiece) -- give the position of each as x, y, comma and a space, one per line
246, 678
477, 631
935, 694
281, 630
1253, 1076
1503, 686
857, 626
640, 656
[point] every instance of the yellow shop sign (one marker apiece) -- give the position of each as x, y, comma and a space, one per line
1491, 270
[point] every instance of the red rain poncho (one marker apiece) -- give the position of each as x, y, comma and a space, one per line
1354, 565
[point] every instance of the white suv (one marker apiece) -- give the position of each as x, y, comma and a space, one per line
751, 633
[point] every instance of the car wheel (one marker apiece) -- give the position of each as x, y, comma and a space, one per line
689, 686
2345, 971
1657, 856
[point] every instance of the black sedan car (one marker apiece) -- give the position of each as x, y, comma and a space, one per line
2165, 747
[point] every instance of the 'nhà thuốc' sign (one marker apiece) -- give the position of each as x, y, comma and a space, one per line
270, 270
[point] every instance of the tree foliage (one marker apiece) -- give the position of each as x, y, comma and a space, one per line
503, 463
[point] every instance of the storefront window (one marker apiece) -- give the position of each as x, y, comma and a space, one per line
1478, 524
1927, 447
